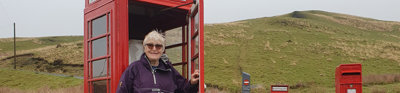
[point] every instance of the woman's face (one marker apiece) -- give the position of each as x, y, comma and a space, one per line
153, 49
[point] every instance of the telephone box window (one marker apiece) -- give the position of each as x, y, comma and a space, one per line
99, 68
99, 26
109, 66
99, 47
196, 51
100, 86
89, 51
172, 37
88, 30
196, 22
196, 63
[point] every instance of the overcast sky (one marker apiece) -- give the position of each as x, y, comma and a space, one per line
37, 18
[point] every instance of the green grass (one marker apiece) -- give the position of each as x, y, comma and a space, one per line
288, 50
27, 80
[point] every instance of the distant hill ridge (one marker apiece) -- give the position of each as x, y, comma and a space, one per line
300, 49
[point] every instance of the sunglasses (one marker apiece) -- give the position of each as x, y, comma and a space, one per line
151, 46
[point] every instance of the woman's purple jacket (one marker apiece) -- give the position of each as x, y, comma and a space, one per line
139, 77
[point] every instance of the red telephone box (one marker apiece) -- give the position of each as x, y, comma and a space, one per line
279, 89
114, 31
348, 78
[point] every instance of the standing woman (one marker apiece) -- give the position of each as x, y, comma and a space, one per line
154, 74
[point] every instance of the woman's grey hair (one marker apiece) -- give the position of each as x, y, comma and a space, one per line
156, 36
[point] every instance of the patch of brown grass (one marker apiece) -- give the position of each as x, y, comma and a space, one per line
214, 90
275, 30
378, 90
395, 89
226, 62
258, 89
217, 89
222, 38
237, 33
76, 89
51, 51
220, 42
293, 62
17, 39
301, 85
273, 61
70, 53
231, 24
381, 79
10, 90
389, 35
361, 23
317, 89
367, 50
267, 46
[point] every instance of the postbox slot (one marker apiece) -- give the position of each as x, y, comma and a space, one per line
351, 74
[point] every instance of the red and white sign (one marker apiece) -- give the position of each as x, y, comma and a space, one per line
246, 82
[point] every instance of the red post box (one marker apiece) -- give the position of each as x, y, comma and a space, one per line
348, 78
279, 89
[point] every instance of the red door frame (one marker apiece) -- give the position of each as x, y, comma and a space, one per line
117, 35
121, 42
200, 34
106, 10
201, 45
193, 35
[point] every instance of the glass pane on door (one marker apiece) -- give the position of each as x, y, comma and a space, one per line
99, 26
99, 68
100, 86
99, 47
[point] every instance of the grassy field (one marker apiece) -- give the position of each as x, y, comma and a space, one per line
28, 80
59, 55
301, 48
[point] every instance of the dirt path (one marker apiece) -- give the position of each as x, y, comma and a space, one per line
214, 90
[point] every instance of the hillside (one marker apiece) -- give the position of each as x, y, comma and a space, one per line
40, 62
60, 54
302, 49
